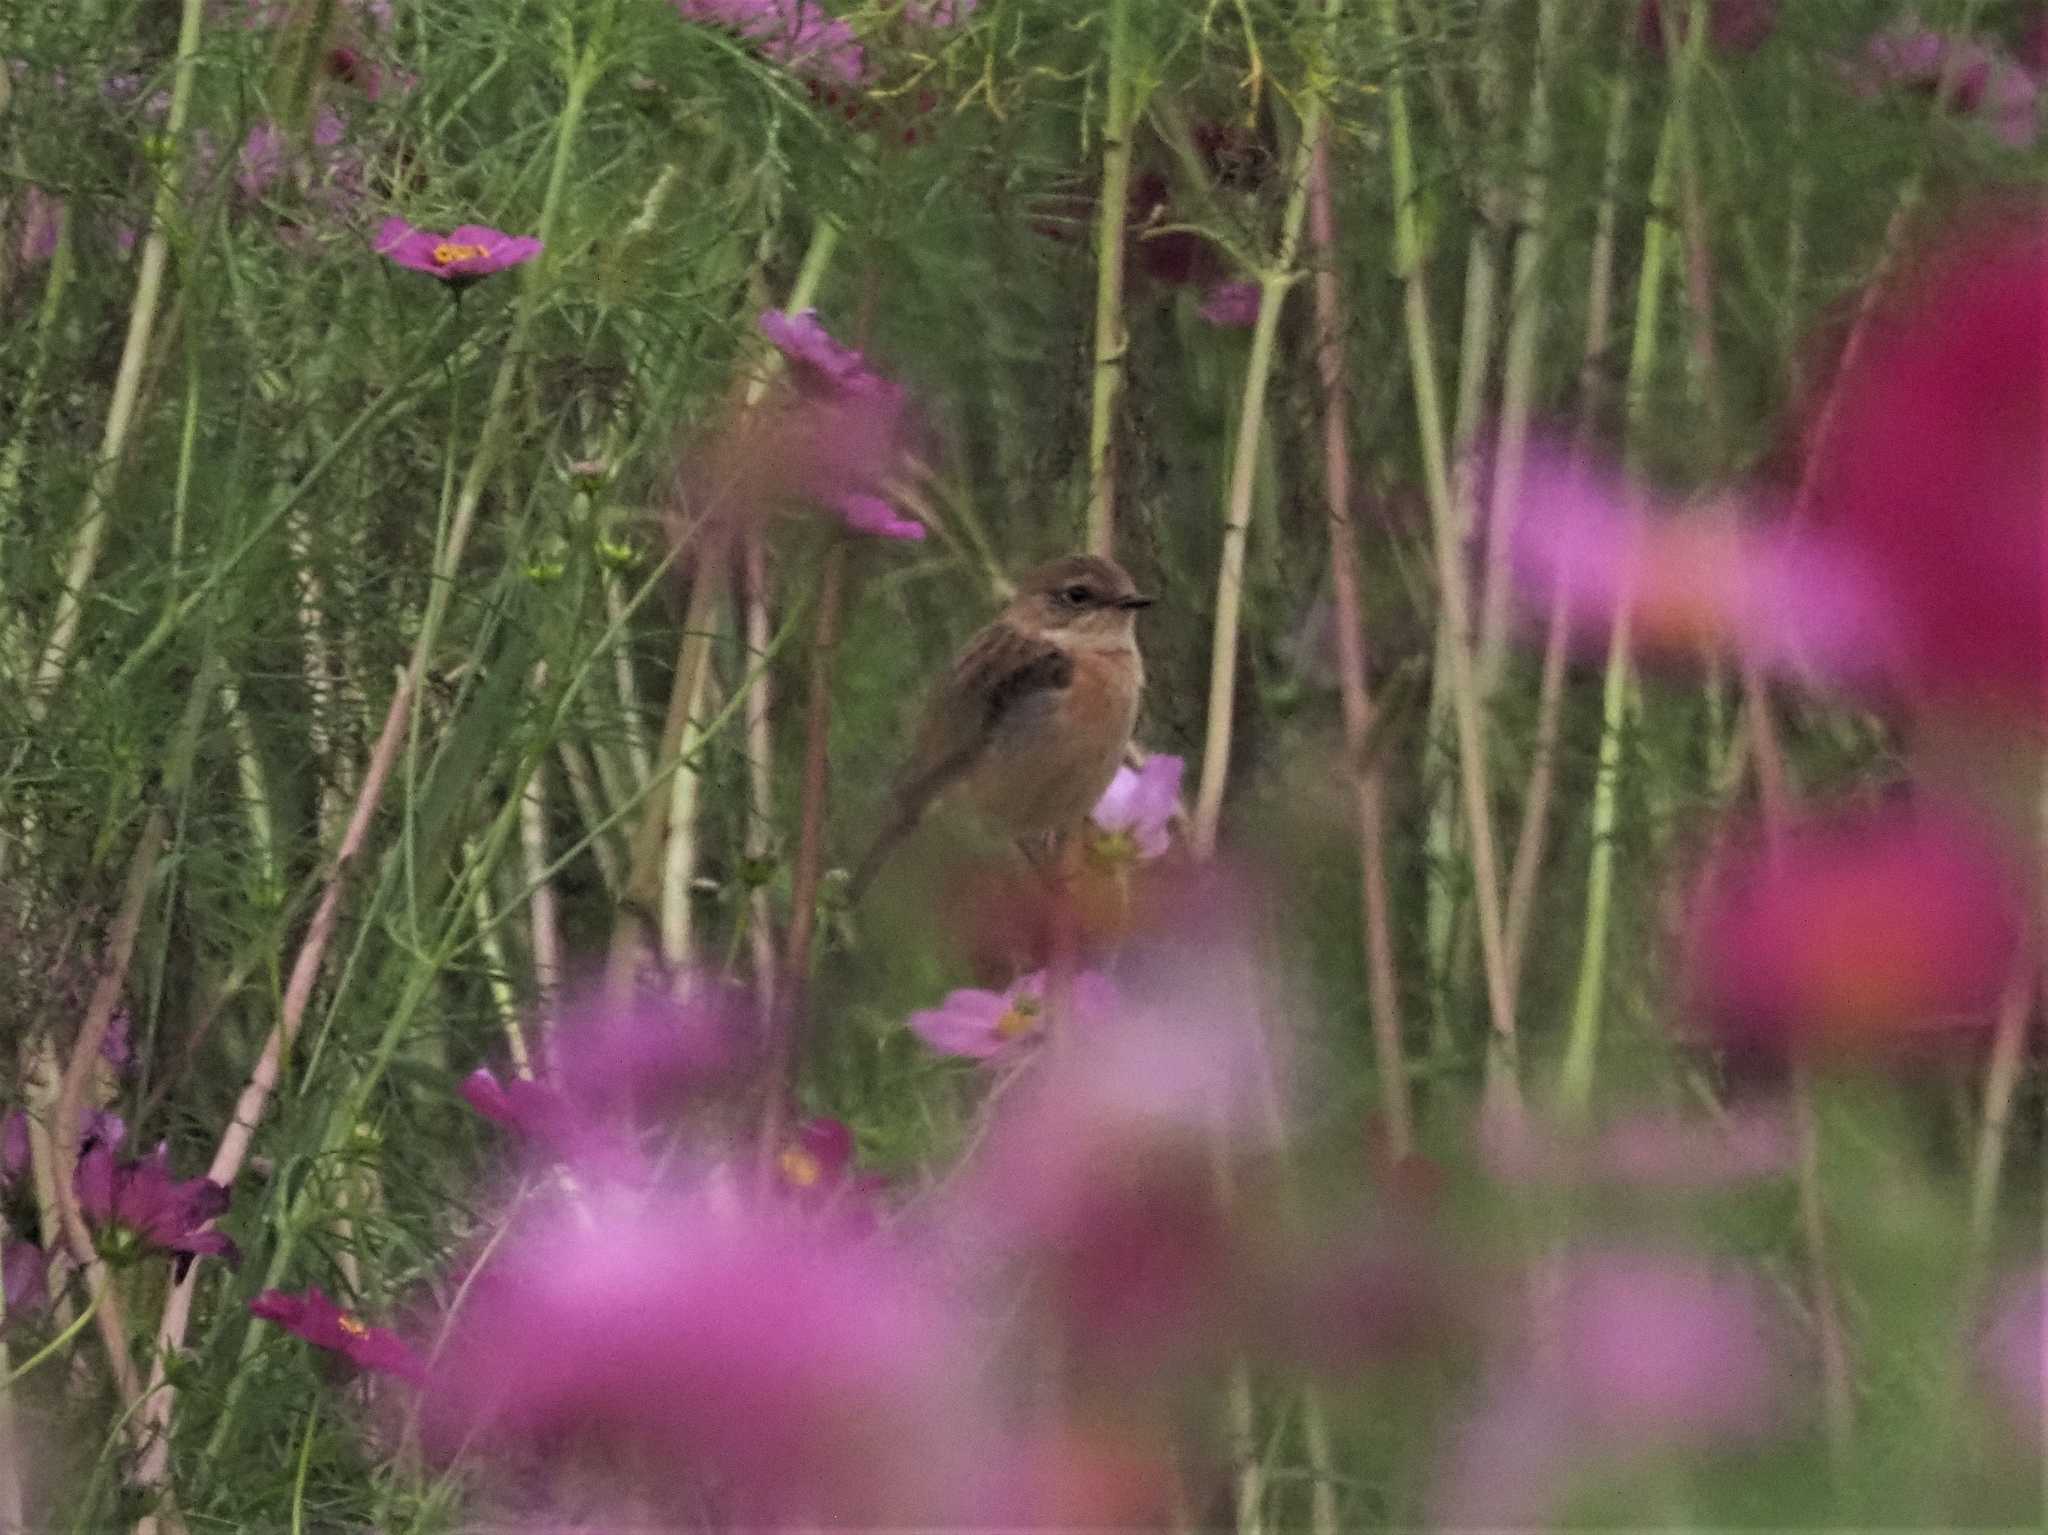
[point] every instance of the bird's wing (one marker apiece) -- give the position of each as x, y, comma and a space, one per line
999, 671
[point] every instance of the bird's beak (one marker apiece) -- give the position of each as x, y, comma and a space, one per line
1134, 602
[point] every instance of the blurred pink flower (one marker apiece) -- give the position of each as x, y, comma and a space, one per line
1135, 812
312, 1316
2012, 1353
1734, 27
799, 34
1643, 1352
1990, 84
816, 1171
554, 1127
2032, 49
1232, 305
1692, 582
1858, 933
985, 1024
140, 1196
842, 439
805, 1375
262, 159
42, 222
24, 1277
464, 254
101, 1127
1100, 1168
1655, 1153
1933, 471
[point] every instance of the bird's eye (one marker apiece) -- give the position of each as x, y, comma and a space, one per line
1076, 595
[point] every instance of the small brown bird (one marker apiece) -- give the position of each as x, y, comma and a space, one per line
1034, 713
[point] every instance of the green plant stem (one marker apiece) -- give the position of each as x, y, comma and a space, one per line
584, 69
58, 1344
1376, 914
1502, 1068
643, 891
1112, 343
1237, 510
1582, 1038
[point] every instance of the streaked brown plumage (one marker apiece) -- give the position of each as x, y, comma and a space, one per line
1032, 717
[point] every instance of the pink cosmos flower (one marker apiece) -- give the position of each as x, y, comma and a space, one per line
1137, 809
985, 1024
1934, 471
553, 1126
1232, 305
1861, 932
806, 1375
1648, 1352
1734, 27
464, 254
1692, 582
842, 439
1989, 84
100, 1127
141, 1197
312, 1316
798, 34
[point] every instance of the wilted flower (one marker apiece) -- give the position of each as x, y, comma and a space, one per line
798, 34
1232, 305
312, 1316
464, 254
985, 1024
141, 1197
1987, 82
1644, 1352
803, 1373
1856, 933
1734, 27
1133, 816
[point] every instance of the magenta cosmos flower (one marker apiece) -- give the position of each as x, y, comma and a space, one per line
842, 439
1990, 85
1134, 816
1856, 934
312, 1316
801, 35
804, 1375
141, 1198
1934, 472
985, 1024
465, 253
1232, 305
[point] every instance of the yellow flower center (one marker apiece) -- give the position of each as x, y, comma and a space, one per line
1110, 848
1020, 1020
351, 1326
799, 1168
447, 253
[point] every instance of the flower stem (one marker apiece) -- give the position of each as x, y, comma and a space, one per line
1111, 340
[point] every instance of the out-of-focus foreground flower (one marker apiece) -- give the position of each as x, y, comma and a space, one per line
1924, 570
1856, 934
1985, 82
1638, 1352
740, 1354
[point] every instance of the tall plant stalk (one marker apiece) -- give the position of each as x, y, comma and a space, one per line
1112, 342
